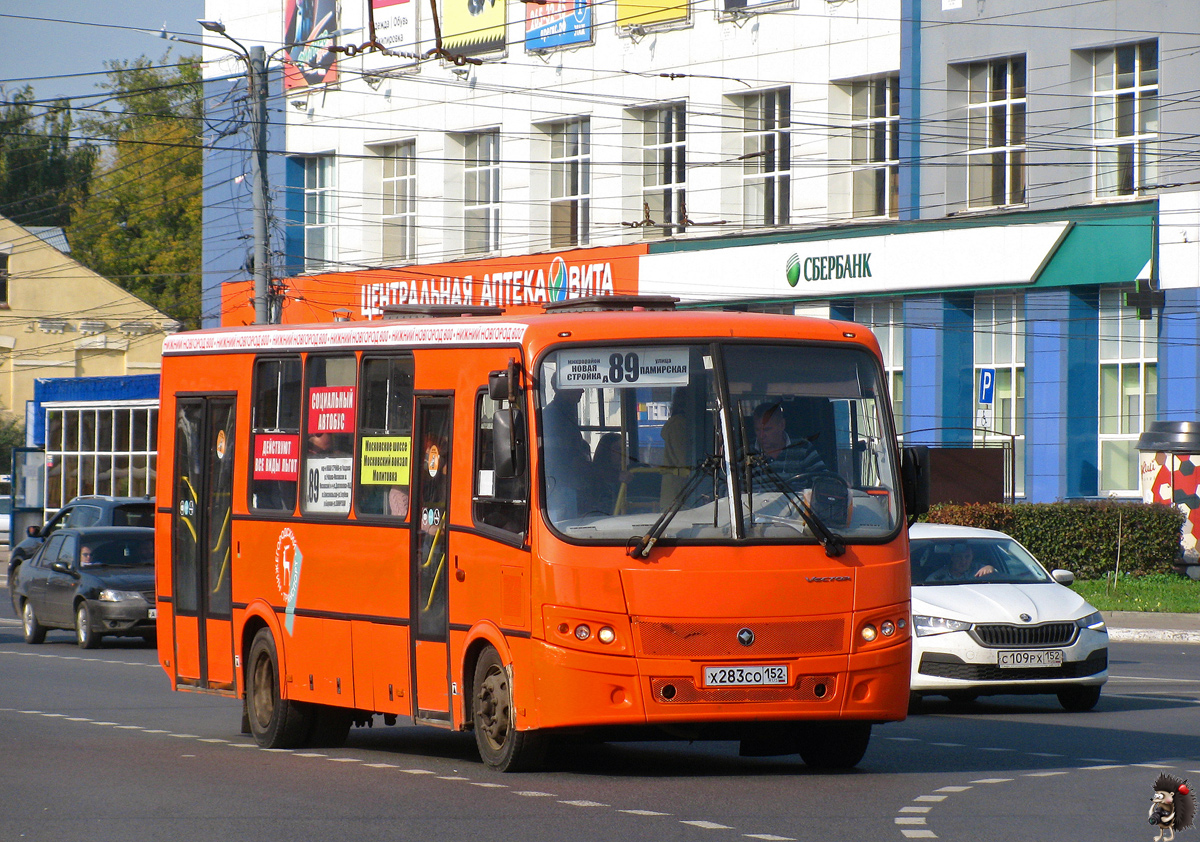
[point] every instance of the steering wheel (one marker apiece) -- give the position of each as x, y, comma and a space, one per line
830, 498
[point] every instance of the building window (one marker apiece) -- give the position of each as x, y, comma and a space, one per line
481, 192
767, 158
1125, 117
100, 450
318, 213
875, 145
885, 318
996, 132
1000, 345
399, 189
1128, 388
570, 182
3, 279
664, 168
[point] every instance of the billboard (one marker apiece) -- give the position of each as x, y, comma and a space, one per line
557, 23
471, 27
396, 29
308, 32
650, 12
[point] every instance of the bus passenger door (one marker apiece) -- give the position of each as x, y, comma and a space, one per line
428, 582
201, 542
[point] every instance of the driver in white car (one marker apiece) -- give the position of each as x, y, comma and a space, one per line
962, 566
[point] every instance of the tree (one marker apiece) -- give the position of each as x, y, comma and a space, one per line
12, 434
43, 175
140, 224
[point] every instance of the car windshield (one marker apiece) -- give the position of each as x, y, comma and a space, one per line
639, 440
116, 552
955, 561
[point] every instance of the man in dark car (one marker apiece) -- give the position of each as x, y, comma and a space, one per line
105, 587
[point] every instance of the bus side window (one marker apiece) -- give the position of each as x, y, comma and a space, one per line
385, 437
276, 434
330, 419
498, 502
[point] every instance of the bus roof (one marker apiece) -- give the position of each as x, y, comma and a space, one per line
534, 331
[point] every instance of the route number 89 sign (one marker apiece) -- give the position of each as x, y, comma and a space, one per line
622, 368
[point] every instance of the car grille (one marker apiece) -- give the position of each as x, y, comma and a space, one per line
683, 639
1047, 634
948, 666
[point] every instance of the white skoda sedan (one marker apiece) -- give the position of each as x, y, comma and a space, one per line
988, 619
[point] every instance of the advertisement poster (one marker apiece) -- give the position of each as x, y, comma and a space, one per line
557, 23
308, 28
276, 456
650, 12
471, 27
386, 460
396, 29
331, 409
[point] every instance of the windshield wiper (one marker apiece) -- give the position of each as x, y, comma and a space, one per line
833, 544
642, 546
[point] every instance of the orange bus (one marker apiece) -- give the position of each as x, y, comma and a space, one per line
611, 517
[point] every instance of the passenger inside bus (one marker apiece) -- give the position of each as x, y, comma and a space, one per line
609, 474
566, 454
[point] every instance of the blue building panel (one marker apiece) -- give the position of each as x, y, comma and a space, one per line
129, 387
1179, 356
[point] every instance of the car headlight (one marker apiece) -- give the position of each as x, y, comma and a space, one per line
111, 595
1095, 621
925, 626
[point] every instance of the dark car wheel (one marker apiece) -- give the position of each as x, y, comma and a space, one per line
834, 746
12, 590
35, 632
85, 638
1078, 699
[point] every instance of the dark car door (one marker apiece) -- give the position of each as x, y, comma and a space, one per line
33, 574
58, 608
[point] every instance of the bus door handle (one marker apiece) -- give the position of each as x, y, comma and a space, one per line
459, 573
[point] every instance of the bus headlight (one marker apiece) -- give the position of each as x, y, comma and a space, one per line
583, 631
606, 634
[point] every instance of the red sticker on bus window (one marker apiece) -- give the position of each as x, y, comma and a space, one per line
331, 409
275, 457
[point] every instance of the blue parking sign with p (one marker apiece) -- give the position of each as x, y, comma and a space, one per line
987, 385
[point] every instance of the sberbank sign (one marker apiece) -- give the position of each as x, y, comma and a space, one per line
829, 267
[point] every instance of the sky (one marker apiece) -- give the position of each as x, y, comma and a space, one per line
41, 39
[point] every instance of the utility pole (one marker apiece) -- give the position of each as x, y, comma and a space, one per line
257, 77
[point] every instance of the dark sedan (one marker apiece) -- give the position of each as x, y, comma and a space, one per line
97, 581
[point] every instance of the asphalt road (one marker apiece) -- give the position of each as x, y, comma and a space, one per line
94, 746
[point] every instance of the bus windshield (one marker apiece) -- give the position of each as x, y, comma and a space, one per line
664, 437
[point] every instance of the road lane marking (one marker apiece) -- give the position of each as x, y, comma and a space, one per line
643, 812
919, 834
705, 825
909, 820
583, 803
930, 798
915, 809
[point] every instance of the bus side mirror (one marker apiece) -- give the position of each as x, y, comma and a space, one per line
914, 479
505, 385
508, 443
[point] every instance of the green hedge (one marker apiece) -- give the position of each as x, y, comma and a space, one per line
1082, 537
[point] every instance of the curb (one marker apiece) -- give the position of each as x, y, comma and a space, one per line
1153, 635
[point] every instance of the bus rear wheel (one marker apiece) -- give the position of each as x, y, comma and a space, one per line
501, 746
275, 722
832, 746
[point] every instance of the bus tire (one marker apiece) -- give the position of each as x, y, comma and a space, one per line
831, 746
330, 726
501, 746
275, 722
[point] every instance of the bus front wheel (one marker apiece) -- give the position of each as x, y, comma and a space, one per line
275, 722
834, 745
501, 746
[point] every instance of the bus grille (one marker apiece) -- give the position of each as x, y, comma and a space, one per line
683, 691
683, 639
1047, 634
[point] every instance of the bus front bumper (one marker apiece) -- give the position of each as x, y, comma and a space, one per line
579, 689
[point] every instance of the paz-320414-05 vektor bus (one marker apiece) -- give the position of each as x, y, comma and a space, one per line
610, 517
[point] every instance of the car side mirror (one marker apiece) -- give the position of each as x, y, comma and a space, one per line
914, 480
1063, 577
63, 567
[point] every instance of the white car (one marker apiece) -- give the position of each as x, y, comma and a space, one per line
988, 619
